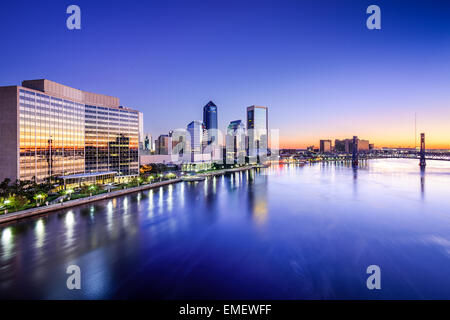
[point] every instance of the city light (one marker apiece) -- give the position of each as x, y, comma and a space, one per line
295, 199
70, 219
6, 235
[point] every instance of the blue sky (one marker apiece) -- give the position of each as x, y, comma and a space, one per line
317, 67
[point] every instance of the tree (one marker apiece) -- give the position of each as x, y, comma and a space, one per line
18, 201
40, 197
171, 176
4, 188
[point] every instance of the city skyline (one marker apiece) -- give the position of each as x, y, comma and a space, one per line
219, 159
322, 73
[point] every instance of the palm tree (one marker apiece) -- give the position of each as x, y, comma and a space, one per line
4, 188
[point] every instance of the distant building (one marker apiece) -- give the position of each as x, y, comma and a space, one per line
212, 143
147, 145
197, 134
179, 141
235, 142
339, 145
325, 145
210, 122
163, 145
363, 145
346, 145
257, 131
371, 146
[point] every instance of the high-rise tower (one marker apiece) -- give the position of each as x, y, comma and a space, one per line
210, 121
257, 130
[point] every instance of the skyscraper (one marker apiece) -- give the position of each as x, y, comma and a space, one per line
164, 144
179, 141
257, 130
196, 130
235, 142
210, 121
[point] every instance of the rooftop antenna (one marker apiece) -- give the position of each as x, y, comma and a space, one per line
415, 130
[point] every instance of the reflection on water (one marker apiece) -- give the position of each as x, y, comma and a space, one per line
422, 182
287, 231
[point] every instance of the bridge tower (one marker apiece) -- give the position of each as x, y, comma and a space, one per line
355, 151
422, 151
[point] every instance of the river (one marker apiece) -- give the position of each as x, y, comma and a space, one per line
284, 232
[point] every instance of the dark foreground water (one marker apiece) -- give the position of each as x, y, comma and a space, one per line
283, 232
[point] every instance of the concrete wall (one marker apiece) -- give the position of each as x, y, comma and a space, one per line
9, 137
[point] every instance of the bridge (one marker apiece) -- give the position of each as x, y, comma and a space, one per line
416, 155
422, 155
363, 157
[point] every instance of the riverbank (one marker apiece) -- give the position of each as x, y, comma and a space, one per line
9, 217
224, 171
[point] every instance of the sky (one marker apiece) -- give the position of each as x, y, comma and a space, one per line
314, 64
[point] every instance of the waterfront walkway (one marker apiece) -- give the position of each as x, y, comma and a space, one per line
71, 203
9, 217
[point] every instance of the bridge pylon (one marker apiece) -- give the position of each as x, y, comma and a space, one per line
422, 163
355, 151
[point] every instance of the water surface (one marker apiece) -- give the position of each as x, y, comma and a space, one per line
286, 232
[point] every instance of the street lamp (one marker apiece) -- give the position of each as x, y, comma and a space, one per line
38, 199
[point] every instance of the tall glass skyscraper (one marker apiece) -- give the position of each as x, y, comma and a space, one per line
257, 130
196, 131
235, 142
210, 121
52, 130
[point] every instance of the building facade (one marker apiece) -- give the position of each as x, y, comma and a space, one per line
346, 145
235, 142
257, 131
180, 143
53, 130
197, 136
210, 122
141, 130
163, 144
325, 145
